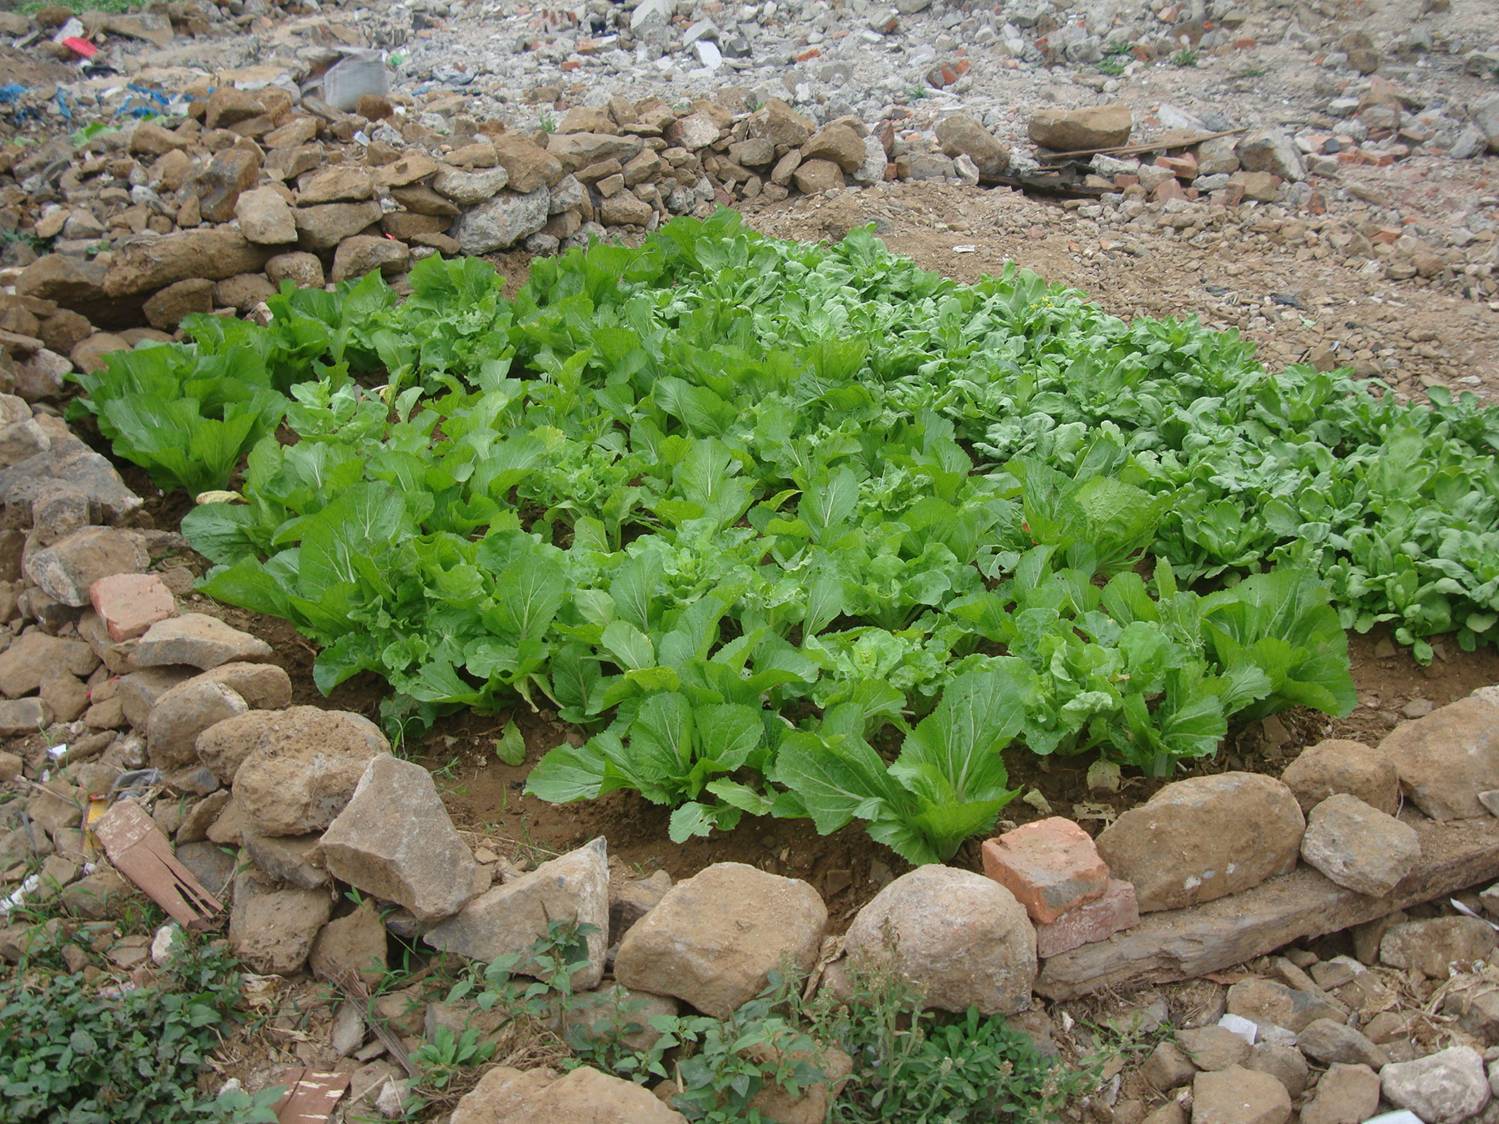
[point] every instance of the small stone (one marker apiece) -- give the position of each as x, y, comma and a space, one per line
1239, 1096
1441, 1088
301, 269
129, 604
837, 143
1167, 1068
20, 717
340, 184
1358, 847
265, 217
1347, 1094
352, 946
1273, 151
813, 176
324, 225
715, 938
365, 253
1284, 1063
510, 918
1329, 1041
1092, 921
1212, 1048
167, 308
632, 900
961, 134
285, 858
1271, 1004
196, 640
467, 189
1104, 126
272, 929
1337, 765
1433, 946
67, 569
286, 785
502, 221
585, 1094
181, 714
1447, 758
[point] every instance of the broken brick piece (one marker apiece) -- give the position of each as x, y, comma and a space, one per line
129, 604
1050, 866
1092, 921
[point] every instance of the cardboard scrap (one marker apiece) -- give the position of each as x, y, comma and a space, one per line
311, 1095
141, 853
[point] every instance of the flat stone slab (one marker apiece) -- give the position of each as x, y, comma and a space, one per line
1182, 944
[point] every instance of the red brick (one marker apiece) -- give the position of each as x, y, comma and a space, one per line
1168, 189
1050, 866
1388, 235
128, 604
1126, 179
1182, 167
1092, 921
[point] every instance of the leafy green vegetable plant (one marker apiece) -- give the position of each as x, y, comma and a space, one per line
751, 510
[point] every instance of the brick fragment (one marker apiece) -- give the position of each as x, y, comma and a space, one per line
129, 604
1050, 866
1092, 921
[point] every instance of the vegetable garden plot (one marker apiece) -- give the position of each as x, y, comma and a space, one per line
805, 530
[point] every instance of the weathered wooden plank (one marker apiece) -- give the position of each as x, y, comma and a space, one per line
1181, 944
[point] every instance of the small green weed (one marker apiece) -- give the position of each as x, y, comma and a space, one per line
1184, 58
72, 1050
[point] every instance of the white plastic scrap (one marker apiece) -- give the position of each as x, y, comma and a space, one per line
1247, 1029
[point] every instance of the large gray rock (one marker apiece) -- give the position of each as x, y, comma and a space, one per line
512, 917
66, 569
272, 928
1358, 847
1442, 1088
1448, 757
1329, 1041
196, 640
1204, 838
300, 771
714, 939
394, 840
502, 221
961, 939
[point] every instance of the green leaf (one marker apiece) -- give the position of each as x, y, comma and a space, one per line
511, 746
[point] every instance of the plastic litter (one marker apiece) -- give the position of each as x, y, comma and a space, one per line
353, 77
